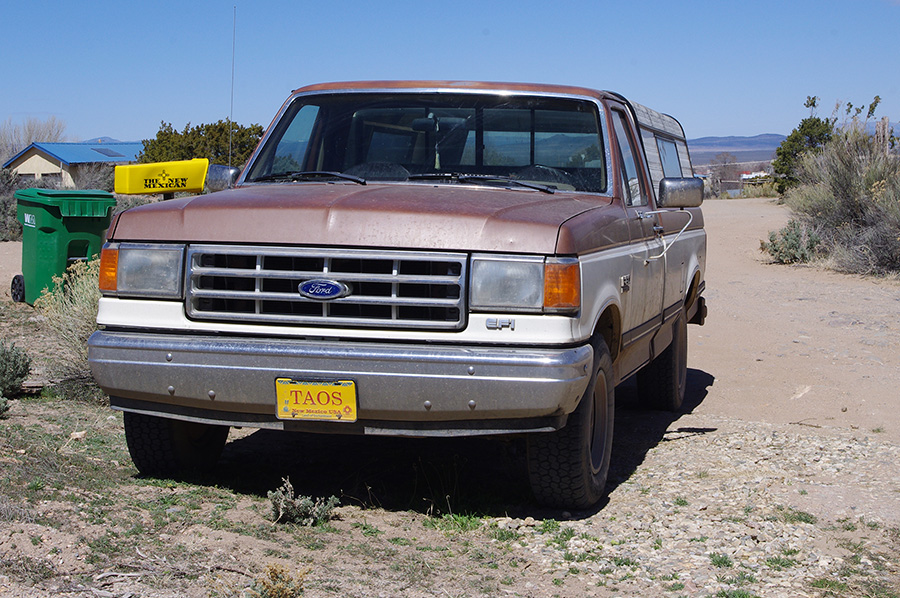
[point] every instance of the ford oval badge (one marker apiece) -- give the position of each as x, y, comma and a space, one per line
323, 290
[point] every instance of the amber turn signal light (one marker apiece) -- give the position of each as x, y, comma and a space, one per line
562, 286
109, 266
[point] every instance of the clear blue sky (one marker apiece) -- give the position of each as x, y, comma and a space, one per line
721, 67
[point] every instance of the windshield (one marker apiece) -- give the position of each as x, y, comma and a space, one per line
554, 143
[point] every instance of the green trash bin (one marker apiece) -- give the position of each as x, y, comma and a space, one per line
58, 227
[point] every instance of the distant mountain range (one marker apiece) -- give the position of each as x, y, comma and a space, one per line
759, 148
99, 140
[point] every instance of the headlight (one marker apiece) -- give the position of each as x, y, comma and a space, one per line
142, 270
525, 284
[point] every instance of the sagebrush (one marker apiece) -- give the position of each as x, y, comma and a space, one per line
70, 309
796, 243
15, 365
849, 193
303, 510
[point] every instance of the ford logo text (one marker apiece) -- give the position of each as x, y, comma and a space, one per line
323, 290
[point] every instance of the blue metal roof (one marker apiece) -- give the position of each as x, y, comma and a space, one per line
82, 153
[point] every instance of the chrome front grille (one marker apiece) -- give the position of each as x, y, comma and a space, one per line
390, 289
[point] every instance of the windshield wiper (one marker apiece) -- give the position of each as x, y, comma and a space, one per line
485, 178
305, 175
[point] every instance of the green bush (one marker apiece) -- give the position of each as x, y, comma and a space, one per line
793, 244
849, 193
303, 510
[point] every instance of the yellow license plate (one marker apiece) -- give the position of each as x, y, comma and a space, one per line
319, 401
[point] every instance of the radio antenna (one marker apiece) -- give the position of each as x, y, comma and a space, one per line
231, 111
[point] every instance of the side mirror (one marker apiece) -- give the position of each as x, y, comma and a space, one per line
679, 193
219, 177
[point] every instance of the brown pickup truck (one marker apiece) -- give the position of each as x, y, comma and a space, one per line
414, 259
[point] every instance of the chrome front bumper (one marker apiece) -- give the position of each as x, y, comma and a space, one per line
413, 389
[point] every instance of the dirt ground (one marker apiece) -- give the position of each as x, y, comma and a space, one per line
795, 365
793, 344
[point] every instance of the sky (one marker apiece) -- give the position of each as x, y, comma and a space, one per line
118, 69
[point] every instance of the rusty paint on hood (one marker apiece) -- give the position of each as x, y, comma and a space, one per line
413, 216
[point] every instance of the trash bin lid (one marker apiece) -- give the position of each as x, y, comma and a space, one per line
70, 202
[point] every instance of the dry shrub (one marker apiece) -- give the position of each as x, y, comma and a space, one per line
277, 582
767, 189
70, 309
10, 228
96, 175
15, 365
849, 193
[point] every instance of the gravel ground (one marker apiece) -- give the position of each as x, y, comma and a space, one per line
720, 504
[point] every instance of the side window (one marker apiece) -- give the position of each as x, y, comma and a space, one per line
635, 195
668, 154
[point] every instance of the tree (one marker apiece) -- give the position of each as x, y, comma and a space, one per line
16, 137
810, 135
202, 141
723, 168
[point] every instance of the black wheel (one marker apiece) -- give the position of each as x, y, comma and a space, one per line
662, 382
163, 447
567, 468
17, 288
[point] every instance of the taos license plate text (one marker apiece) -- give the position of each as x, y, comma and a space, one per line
314, 400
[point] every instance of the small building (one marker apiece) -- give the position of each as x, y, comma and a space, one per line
62, 162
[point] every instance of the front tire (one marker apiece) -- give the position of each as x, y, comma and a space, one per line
568, 468
163, 447
662, 382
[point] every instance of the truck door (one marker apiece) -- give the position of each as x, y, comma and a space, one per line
643, 312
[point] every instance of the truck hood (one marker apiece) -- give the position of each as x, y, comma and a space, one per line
412, 216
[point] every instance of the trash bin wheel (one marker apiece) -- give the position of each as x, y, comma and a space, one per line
17, 289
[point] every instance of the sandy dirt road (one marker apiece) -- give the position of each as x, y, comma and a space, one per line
793, 344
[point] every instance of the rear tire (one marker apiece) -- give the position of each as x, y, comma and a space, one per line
17, 288
568, 468
662, 382
164, 447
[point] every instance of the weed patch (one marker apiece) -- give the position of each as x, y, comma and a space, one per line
27, 569
302, 510
277, 582
791, 515
453, 523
